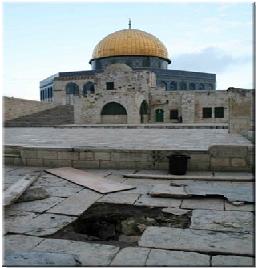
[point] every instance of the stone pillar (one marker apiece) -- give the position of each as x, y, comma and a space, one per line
241, 110
188, 108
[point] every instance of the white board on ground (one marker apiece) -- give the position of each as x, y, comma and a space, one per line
89, 180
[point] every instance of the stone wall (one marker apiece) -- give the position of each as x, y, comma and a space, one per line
131, 88
241, 110
217, 158
15, 107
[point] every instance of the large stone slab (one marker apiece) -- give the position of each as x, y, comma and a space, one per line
90, 254
37, 205
197, 240
64, 191
76, 204
49, 180
33, 224
175, 211
203, 203
40, 259
131, 256
233, 221
160, 257
47, 224
239, 206
233, 191
17, 221
119, 198
20, 242
148, 201
169, 191
89, 180
17, 189
232, 261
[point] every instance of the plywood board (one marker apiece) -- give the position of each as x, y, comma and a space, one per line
89, 180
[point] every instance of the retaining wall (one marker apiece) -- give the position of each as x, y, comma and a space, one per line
217, 158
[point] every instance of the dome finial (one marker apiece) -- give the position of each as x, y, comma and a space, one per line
130, 24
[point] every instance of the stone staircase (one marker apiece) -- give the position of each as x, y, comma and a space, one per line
62, 114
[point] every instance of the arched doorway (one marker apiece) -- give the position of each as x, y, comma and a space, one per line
159, 115
144, 112
72, 89
113, 113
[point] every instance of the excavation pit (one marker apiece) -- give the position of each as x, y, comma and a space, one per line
120, 225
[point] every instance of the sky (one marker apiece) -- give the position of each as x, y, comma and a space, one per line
41, 39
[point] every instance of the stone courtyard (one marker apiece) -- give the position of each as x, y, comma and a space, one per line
161, 222
122, 138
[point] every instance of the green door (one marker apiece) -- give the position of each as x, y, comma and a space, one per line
159, 115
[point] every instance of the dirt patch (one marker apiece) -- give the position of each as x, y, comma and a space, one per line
120, 225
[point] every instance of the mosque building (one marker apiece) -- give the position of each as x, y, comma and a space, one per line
129, 82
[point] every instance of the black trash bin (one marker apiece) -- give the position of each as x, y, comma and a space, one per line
178, 164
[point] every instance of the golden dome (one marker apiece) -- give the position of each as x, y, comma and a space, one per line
130, 42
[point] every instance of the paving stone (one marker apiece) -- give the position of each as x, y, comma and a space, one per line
34, 193
160, 257
17, 221
148, 201
12, 179
131, 256
21, 222
150, 172
232, 261
90, 254
197, 240
234, 191
233, 221
169, 191
240, 207
119, 198
49, 180
147, 182
64, 191
22, 171
40, 259
140, 189
20, 242
37, 205
76, 204
203, 203
89, 180
176, 211
47, 224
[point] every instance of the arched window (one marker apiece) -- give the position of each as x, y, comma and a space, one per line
143, 112
88, 88
201, 86
173, 85
113, 108
159, 115
163, 85
72, 89
183, 86
192, 86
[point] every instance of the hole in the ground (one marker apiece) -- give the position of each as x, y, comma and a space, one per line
120, 225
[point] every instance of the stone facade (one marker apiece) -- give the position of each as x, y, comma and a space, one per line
130, 89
